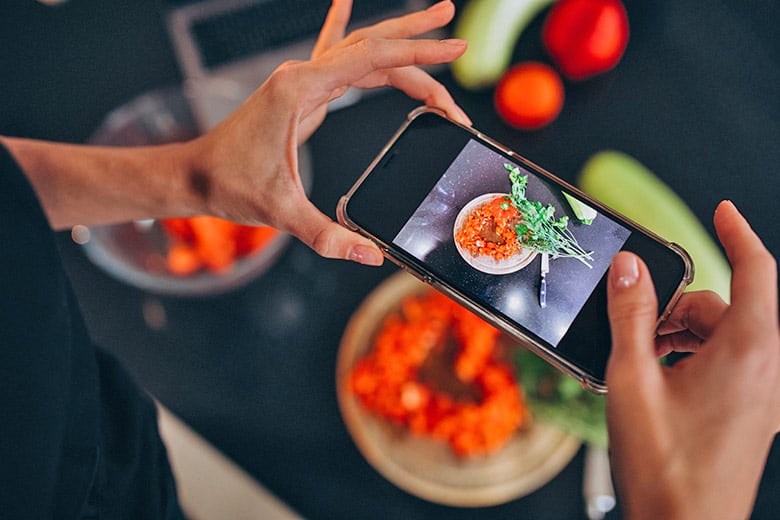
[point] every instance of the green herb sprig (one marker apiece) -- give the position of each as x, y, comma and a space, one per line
539, 229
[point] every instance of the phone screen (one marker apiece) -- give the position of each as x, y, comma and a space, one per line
447, 202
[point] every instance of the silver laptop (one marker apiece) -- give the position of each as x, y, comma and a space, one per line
226, 48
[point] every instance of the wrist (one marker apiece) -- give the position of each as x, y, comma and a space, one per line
190, 179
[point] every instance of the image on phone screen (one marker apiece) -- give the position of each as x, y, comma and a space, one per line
468, 228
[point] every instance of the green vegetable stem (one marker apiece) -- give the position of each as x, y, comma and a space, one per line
539, 230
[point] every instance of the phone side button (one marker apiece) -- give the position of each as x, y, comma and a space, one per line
400, 264
420, 276
411, 270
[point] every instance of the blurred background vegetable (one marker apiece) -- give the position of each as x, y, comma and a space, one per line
624, 184
560, 400
492, 28
211, 243
529, 96
434, 370
586, 37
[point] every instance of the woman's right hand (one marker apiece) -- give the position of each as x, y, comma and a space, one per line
691, 440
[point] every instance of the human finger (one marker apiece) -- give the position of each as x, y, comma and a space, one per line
331, 240
334, 27
692, 321
409, 25
420, 85
698, 312
633, 311
358, 63
682, 341
754, 269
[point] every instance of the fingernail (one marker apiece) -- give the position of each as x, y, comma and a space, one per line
624, 272
365, 255
438, 5
466, 119
725, 203
458, 42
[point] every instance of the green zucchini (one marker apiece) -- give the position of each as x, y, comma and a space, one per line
624, 184
492, 28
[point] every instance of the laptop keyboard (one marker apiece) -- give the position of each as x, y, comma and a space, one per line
273, 23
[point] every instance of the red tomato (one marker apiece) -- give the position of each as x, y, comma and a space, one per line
529, 95
586, 37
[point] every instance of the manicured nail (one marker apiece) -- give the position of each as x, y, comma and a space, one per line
464, 117
458, 42
365, 255
438, 5
624, 272
725, 203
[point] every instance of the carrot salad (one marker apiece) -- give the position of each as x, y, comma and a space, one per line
489, 230
387, 381
211, 243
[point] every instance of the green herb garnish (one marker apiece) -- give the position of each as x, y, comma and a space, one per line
539, 229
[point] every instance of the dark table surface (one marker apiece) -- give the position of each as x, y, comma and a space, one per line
695, 99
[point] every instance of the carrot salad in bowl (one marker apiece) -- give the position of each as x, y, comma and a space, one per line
490, 230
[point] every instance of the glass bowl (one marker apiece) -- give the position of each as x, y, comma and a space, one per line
135, 252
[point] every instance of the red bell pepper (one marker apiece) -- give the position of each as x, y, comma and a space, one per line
586, 37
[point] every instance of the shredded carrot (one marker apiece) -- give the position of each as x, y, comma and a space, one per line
179, 229
211, 243
214, 242
386, 381
250, 239
489, 230
477, 340
183, 260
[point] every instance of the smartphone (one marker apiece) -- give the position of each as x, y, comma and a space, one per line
520, 247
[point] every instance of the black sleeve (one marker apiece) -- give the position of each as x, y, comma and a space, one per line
78, 437
38, 401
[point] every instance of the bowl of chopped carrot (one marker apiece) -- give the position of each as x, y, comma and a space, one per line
189, 256
429, 393
486, 238
192, 256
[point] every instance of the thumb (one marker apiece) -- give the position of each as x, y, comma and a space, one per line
632, 307
330, 239
336, 241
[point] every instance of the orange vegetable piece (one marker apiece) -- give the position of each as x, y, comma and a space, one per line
250, 239
477, 339
214, 242
529, 95
211, 243
183, 260
179, 229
